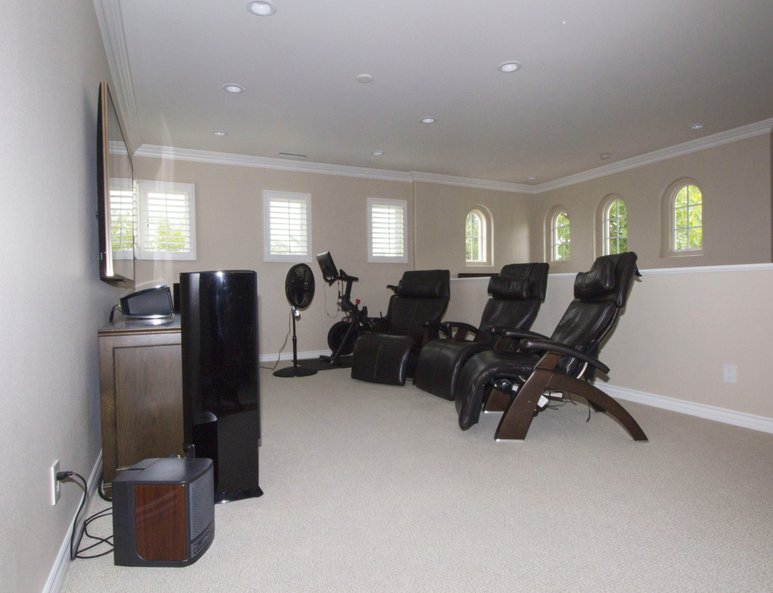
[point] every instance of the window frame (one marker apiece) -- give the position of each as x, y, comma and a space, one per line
388, 203
670, 220
144, 188
552, 243
485, 240
270, 195
606, 235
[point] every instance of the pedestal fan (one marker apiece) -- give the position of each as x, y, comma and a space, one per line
299, 290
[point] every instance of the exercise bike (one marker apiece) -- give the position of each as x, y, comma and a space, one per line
343, 334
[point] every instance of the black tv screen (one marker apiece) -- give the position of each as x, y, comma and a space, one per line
328, 267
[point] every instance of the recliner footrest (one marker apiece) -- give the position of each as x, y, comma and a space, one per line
381, 358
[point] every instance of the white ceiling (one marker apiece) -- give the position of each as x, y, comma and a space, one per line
621, 77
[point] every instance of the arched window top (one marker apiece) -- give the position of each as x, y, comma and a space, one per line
684, 203
476, 233
614, 225
560, 235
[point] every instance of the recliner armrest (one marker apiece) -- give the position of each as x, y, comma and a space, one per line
507, 332
564, 349
458, 330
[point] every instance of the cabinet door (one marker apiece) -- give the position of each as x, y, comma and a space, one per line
148, 403
141, 388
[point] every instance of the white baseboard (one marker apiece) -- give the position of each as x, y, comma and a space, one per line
62, 564
742, 419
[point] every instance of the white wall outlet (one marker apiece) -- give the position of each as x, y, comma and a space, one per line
730, 373
55, 490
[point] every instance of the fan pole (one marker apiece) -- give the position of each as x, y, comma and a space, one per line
296, 370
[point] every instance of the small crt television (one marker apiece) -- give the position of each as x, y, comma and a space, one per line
163, 512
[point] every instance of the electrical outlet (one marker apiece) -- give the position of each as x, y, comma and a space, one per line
730, 373
55, 491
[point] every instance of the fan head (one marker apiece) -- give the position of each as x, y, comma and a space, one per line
299, 286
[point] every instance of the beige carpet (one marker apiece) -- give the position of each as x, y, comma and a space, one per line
375, 489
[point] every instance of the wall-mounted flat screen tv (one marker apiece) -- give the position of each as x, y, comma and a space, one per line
116, 203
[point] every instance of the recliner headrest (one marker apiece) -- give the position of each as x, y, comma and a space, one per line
609, 278
424, 284
520, 281
596, 282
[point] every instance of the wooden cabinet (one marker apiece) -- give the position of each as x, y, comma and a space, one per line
140, 375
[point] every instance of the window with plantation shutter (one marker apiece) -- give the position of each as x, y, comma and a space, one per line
387, 223
122, 218
167, 228
287, 226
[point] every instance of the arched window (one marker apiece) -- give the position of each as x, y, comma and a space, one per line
614, 226
475, 237
560, 239
684, 205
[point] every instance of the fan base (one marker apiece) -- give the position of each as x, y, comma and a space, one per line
295, 371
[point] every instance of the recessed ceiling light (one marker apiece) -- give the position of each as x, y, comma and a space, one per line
605, 156
219, 133
509, 66
261, 8
364, 78
532, 179
695, 126
428, 119
377, 153
233, 87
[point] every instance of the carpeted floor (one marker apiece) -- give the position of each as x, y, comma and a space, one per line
374, 488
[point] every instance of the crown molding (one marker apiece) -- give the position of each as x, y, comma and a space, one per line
697, 145
419, 176
110, 23
241, 160
244, 160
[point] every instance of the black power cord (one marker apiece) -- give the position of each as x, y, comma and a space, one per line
75, 535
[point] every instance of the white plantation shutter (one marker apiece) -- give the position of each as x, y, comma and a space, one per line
167, 221
387, 221
287, 219
122, 219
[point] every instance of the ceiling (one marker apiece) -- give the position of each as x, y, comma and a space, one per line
618, 78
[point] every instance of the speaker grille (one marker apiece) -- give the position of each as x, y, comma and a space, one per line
202, 493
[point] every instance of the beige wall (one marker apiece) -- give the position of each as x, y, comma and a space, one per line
229, 216
736, 183
441, 211
735, 178
52, 301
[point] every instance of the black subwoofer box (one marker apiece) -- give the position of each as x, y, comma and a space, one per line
163, 512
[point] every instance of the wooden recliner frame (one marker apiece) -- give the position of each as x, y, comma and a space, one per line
519, 408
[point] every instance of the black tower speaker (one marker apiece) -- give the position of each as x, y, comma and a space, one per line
221, 395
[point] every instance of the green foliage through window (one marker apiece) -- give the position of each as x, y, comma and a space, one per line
687, 218
616, 228
475, 235
561, 237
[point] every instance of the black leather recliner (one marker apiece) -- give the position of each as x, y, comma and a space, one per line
413, 317
513, 382
516, 294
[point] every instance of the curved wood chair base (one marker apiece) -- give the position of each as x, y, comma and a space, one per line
520, 412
